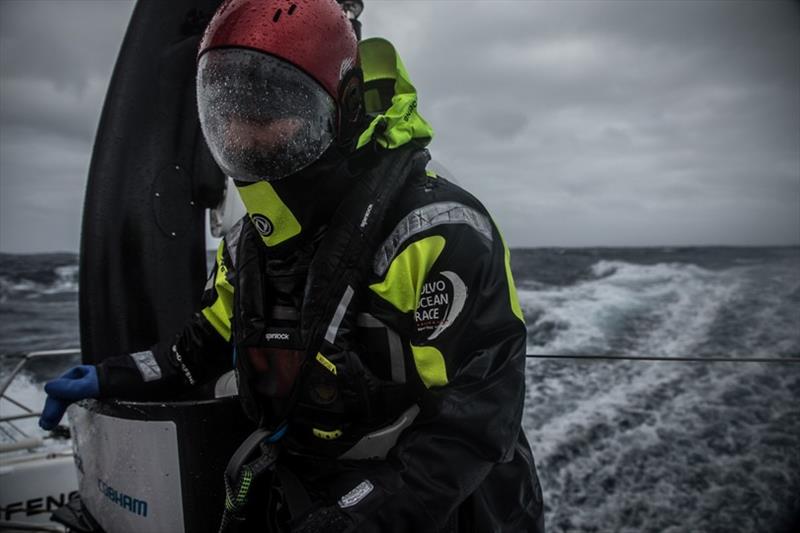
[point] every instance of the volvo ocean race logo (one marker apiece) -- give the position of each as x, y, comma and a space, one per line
441, 301
263, 225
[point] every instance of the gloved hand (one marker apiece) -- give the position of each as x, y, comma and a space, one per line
77, 383
324, 520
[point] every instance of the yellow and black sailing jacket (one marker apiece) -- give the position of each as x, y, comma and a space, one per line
411, 410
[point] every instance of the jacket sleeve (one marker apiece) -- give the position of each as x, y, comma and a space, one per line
452, 291
199, 353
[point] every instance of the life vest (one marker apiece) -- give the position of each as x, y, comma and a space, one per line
295, 316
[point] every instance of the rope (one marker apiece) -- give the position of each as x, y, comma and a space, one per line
779, 360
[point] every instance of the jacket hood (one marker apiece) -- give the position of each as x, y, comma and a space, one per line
390, 98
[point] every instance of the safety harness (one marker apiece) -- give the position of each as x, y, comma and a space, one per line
337, 269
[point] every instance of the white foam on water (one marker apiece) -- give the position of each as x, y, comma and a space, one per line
662, 309
66, 281
769, 309
584, 412
664, 446
30, 394
675, 447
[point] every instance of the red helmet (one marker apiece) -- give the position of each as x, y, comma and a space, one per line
275, 84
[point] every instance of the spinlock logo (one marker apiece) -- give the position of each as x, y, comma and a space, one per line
277, 337
441, 301
129, 503
263, 225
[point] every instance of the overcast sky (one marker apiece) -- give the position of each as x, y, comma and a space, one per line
577, 123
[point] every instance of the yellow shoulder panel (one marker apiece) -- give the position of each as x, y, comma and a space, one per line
403, 282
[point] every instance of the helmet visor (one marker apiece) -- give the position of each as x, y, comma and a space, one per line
263, 119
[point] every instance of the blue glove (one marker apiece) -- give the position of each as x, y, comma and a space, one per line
78, 383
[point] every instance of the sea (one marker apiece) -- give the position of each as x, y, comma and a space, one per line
620, 445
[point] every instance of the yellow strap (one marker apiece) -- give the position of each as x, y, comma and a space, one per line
324, 361
326, 435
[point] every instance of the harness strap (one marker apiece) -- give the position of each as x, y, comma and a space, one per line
240, 475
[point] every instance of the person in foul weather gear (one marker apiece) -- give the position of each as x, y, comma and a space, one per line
366, 302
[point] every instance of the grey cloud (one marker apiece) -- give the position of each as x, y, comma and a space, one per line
41, 190
66, 42
689, 109
40, 105
56, 58
577, 123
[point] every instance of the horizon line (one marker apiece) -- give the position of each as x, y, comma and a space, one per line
527, 247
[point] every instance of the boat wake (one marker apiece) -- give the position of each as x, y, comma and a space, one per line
652, 446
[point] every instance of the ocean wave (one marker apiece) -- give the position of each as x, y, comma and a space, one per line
35, 283
657, 309
25, 390
626, 272
691, 438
